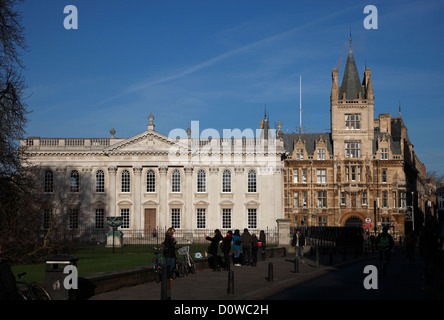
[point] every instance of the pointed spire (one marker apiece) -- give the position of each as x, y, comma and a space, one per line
351, 85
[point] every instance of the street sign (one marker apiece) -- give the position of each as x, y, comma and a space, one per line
368, 220
366, 225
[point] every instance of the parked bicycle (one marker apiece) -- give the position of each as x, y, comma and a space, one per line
31, 291
158, 262
188, 264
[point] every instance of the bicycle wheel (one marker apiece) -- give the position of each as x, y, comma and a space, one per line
39, 291
180, 269
157, 276
192, 267
23, 294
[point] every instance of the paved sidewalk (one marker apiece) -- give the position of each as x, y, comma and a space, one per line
250, 283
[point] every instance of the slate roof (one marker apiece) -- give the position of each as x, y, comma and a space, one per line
310, 141
351, 84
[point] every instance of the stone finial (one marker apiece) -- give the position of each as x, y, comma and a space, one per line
113, 132
151, 124
189, 133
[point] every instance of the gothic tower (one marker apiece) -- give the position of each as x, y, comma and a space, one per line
352, 112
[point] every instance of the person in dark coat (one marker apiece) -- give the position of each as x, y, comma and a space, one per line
298, 243
254, 249
169, 251
212, 250
226, 248
8, 285
246, 240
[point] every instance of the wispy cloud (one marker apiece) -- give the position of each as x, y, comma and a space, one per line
152, 82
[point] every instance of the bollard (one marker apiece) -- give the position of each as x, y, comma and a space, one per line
270, 271
317, 257
296, 265
230, 289
165, 287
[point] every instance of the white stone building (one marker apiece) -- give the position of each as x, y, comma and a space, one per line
152, 180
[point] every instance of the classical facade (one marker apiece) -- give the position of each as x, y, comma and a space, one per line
363, 172
153, 180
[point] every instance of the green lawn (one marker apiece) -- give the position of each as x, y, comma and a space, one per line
96, 259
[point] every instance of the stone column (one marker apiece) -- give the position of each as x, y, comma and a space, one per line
284, 232
162, 215
137, 198
188, 214
112, 190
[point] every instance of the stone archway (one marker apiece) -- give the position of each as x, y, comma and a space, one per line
353, 221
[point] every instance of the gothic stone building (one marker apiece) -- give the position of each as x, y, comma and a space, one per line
365, 168
153, 180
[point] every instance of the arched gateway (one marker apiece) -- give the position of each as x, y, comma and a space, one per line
353, 221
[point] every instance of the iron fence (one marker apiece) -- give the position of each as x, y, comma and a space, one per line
147, 236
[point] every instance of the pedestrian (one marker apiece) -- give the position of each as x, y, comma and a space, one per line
236, 247
169, 251
262, 244
372, 242
254, 249
365, 237
213, 248
8, 286
226, 248
298, 243
246, 240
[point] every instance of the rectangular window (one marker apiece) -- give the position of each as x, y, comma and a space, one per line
384, 153
252, 218
342, 198
353, 121
226, 218
99, 218
304, 175
384, 175
73, 216
384, 199
47, 216
201, 218
322, 176
125, 214
304, 199
321, 154
364, 198
352, 149
322, 199
322, 221
403, 200
299, 154
295, 199
295, 176
175, 218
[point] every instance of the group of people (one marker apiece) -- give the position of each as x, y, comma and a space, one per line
248, 243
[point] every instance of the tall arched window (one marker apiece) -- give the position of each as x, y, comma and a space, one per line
100, 181
175, 181
74, 181
252, 185
49, 181
126, 181
201, 181
150, 181
226, 181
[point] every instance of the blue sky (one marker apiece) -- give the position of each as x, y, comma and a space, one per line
221, 62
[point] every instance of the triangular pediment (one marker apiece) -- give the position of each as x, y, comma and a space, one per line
148, 141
